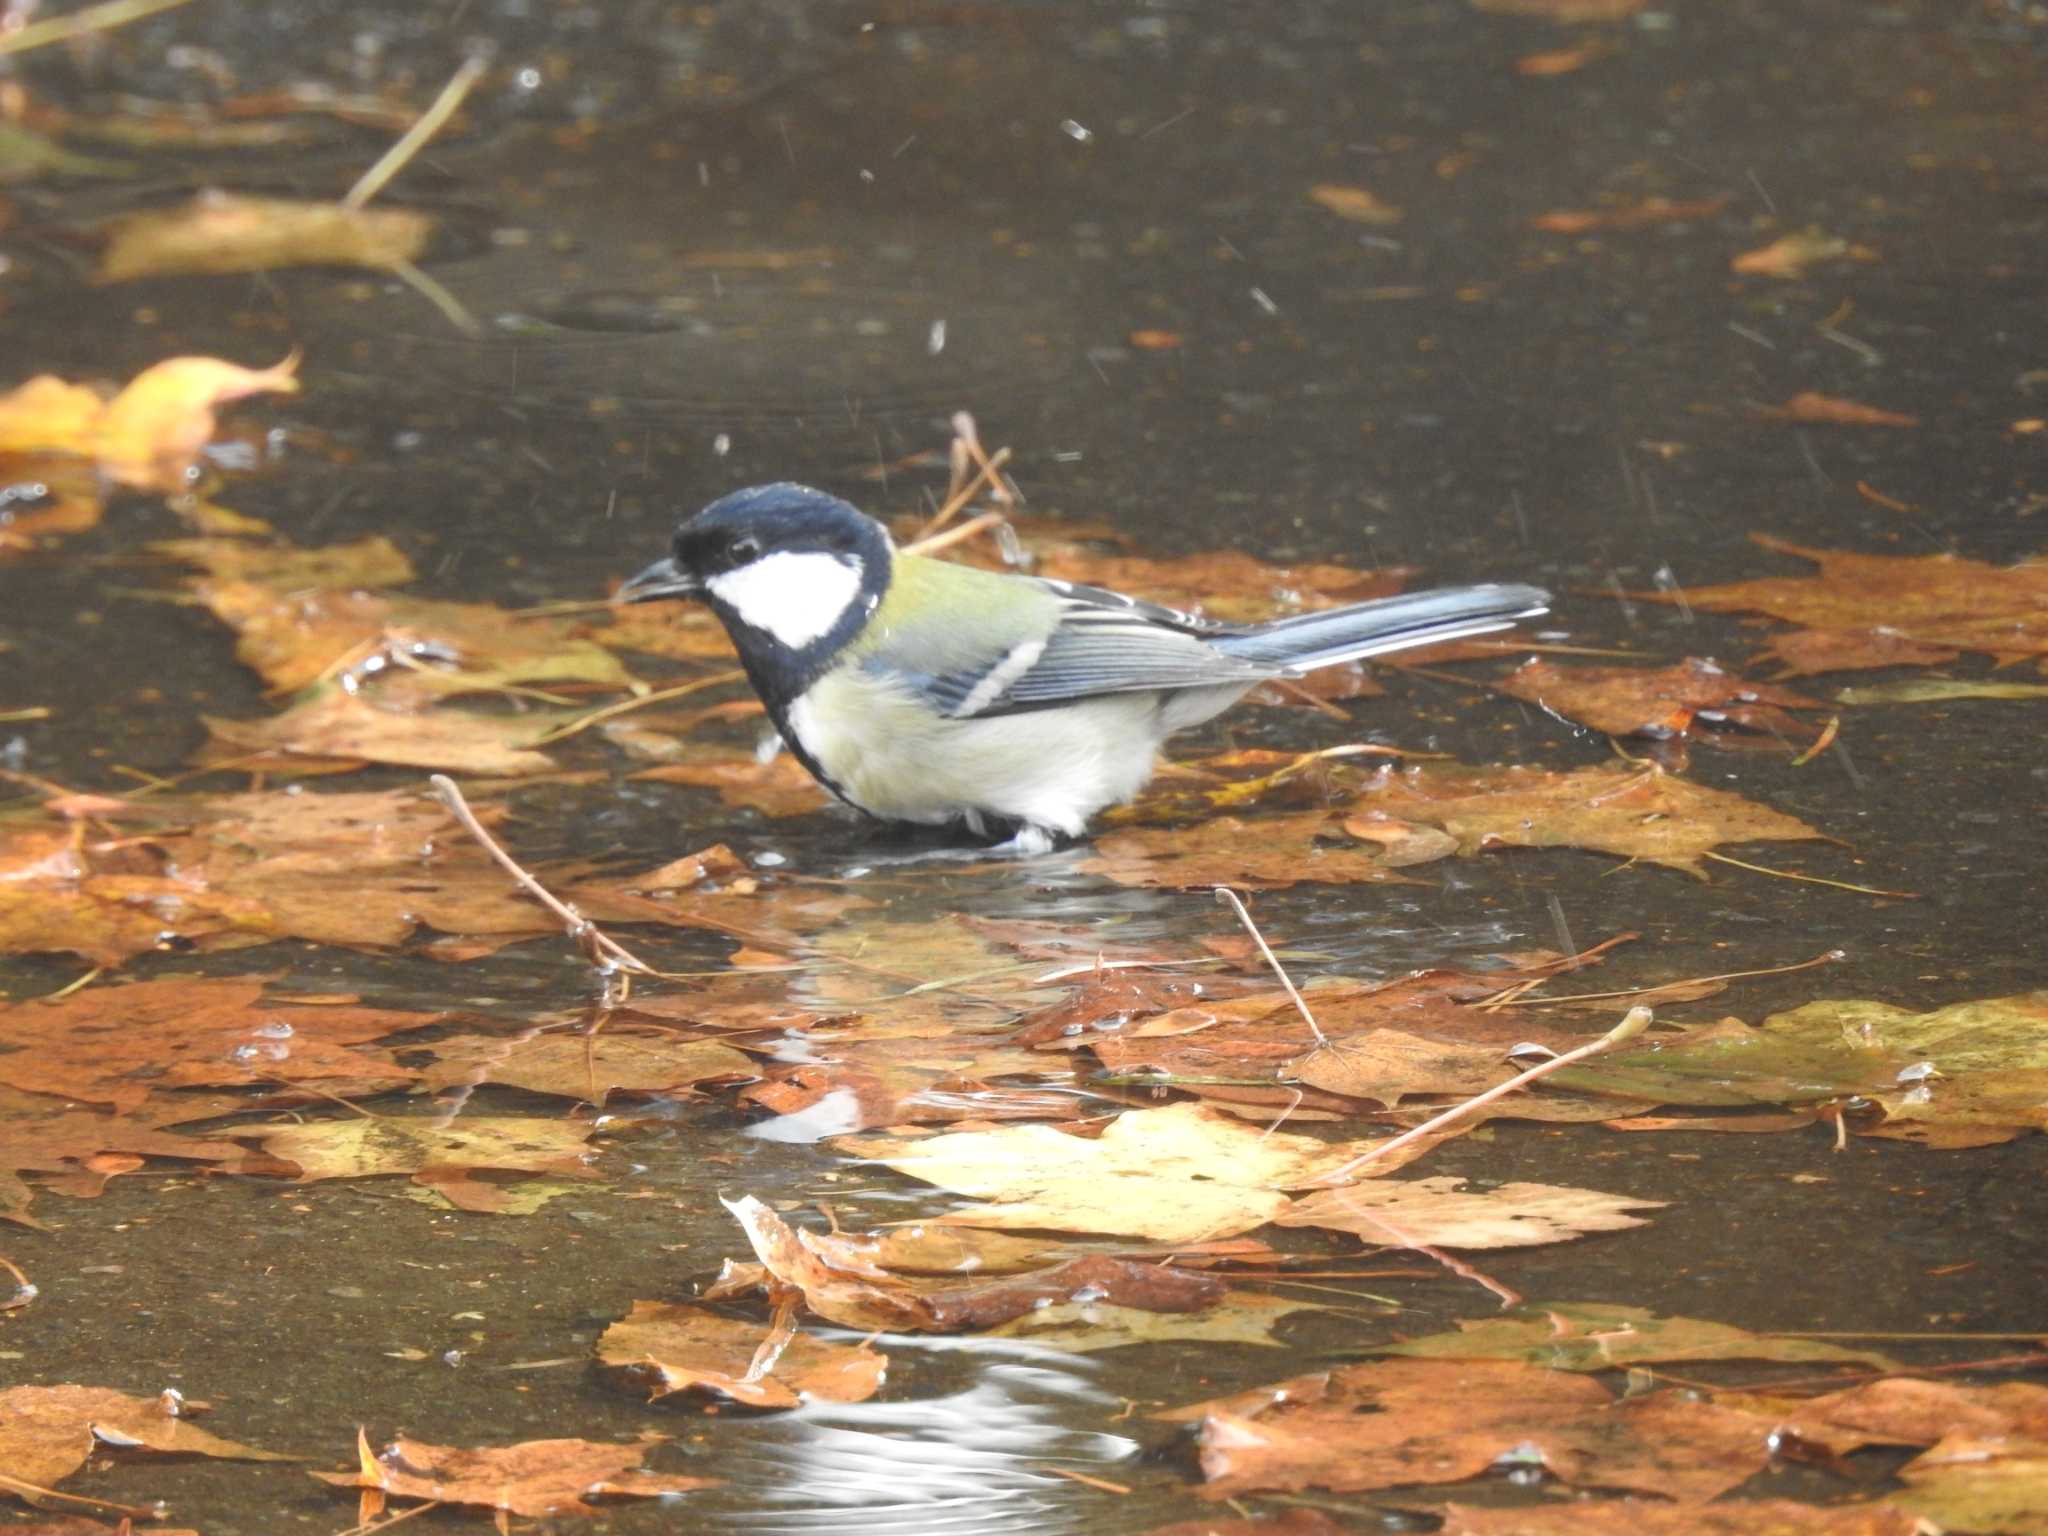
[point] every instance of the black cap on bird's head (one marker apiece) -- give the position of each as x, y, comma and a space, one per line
748, 526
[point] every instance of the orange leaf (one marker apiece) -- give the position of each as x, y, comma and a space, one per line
150, 434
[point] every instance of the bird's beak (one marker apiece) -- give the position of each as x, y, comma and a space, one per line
662, 579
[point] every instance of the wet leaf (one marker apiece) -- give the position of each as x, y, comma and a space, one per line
1606, 1336
683, 1348
221, 232
46, 1433
1291, 1522
1437, 1212
1652, 1517
1564, 11
119, 1045
782, 786
336, 725
1812, 407
1430, 1422
1354, 203
586, 1066
1906, 1411
539, 1478
1636, 813
1650, 211
47, 494
1088, 1327
1973, 1063
151, 433
1695, 699
442, 1154
26, 155
1885, 610
75, 1151
1179, 1174
1267, 854
1980, 1485
840, 1281
1790, 255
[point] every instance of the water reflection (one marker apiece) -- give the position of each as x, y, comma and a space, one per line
975, 1460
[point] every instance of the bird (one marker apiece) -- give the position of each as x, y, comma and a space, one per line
923, 691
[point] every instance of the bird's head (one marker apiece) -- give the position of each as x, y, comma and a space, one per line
786, 568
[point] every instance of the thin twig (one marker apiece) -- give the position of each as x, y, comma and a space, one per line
1225, 894
1633, 1023
588, 937
989, 474
1829, 958
627, 706
1509, 1297
431, 121
61, 29
933, 543
1786, 874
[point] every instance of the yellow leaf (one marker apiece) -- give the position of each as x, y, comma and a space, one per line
149, 435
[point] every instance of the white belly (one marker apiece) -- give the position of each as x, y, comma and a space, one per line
1050, 768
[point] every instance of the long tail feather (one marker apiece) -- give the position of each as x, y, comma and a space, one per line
1312, 640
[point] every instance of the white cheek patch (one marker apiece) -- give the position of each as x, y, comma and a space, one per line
794, 595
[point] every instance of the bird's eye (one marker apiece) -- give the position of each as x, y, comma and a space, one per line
744, 548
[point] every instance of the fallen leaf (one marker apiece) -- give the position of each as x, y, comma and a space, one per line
538, 1478
1635, 812
1790, 255
1606, 1336
151, 433
1569, 12
1267, 854
1437, 1212
682, 1348
1355, 204
1180, 1174
1650, 211
840, 1281
1651, 1517
1402, 1422
1693, 699
1832, 410
74, 1152
440, 1154
222, 232
335, 724
1088, 1327
46, 1433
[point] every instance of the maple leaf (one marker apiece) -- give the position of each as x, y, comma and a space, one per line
540, 1478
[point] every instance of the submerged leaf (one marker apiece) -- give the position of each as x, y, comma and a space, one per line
222, 232
538, 1478
1605, 1336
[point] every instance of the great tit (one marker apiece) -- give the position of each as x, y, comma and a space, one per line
918, 690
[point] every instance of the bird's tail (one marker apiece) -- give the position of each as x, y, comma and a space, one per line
1311, 640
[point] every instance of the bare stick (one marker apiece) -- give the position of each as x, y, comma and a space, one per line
1400, 1239
627, 706
931, 544
588, 936
1786, 874
990, 474
61, 29
1633, 1023
1225, 894
431, 121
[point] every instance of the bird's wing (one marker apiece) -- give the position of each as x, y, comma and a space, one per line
1093, 647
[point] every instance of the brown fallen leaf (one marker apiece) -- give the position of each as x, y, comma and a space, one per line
335, 724
1650, 211
583, 1066
1654, 1517
1863, 610
1425, 1421
682, 1348
1266, 854
1551, 62
444, 1157
1570, 12
1692, 699
151, 433
1832, 410
49, 494
1180, 1174
1437, 1212
46, 1433
1606, 1336
74, 1152
1790, 255
840, 1281
1354, 203
1635, 812
118, 1046
222, 232
538, 1478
